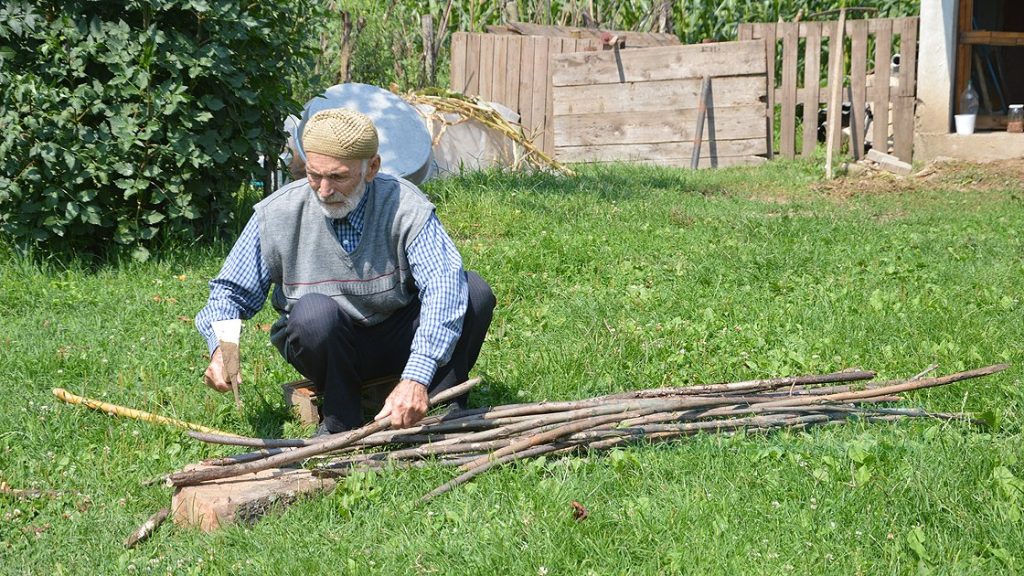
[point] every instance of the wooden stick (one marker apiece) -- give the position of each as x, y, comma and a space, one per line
116, 410
474, 472
472, 469
231, 440
750, 385
27, 494
188, 478
147, 529
588, 410
702, 111
239, 458
924, 372
557, 433
537, 443
835, 104
888, 390
490, 418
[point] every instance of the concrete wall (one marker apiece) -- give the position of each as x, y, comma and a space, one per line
936, 68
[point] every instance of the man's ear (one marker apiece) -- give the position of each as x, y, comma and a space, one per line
372, 168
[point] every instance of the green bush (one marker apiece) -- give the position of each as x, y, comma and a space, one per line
125, 121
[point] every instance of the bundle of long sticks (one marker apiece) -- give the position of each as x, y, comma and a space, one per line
476, 440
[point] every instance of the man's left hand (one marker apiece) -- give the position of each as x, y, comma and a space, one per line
407, 404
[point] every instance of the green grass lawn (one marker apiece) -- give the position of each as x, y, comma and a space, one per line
621, 278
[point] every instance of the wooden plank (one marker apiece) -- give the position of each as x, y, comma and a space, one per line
908, 56
556, 46
876, 25
880, 98
499, 70
656, 95
485, 90
457, 69
903, 128
632, 39
812, 86
718, 162
767, 32
473, 65
993, 38
738, 122
787, 128
541, 80
964, 52
657, 151
745, 32
513, 58
903, 109
858, 81
666, 63
526, 85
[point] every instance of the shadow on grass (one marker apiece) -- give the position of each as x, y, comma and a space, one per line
268, 419
611, 182
492, 393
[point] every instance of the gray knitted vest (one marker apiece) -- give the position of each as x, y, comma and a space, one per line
304, 256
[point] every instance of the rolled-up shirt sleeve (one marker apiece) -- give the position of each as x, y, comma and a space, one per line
241, 287
444, 294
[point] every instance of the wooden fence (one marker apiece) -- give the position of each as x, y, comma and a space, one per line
892, 98
627, 38
641, 105
513, 71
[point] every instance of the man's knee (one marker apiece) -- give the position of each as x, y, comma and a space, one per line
314, 319
481, 297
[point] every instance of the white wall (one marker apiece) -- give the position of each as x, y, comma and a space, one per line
936, 66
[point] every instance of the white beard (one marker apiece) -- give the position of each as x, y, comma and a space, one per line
338, 205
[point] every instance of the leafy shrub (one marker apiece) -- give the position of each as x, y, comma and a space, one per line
128, 120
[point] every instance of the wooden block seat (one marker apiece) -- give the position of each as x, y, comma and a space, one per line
301, 396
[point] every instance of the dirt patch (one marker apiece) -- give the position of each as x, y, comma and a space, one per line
951, 175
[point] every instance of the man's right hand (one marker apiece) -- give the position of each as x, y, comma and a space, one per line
214, 375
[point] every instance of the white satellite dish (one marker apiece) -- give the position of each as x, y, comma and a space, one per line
405, 145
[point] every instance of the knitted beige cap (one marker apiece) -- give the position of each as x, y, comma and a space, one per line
341, 133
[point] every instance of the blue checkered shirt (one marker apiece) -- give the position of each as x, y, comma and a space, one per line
241, 287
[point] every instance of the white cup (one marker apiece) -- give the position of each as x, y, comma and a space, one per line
965, 123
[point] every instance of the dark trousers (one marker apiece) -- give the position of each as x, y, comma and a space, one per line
324, 345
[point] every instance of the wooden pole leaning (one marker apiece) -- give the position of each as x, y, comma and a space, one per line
702, 111
835, 104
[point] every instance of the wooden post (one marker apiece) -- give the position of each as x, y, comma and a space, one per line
964, 24
881, 99
511, 11
665, 17
812, 87
349, 32
702, 111
835, 104
429, 56
858, 73
790, 32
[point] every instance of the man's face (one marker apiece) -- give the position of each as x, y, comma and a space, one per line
339, 184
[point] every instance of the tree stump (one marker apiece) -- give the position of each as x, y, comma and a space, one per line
244, 499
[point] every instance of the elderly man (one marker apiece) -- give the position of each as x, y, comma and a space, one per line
366, 281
